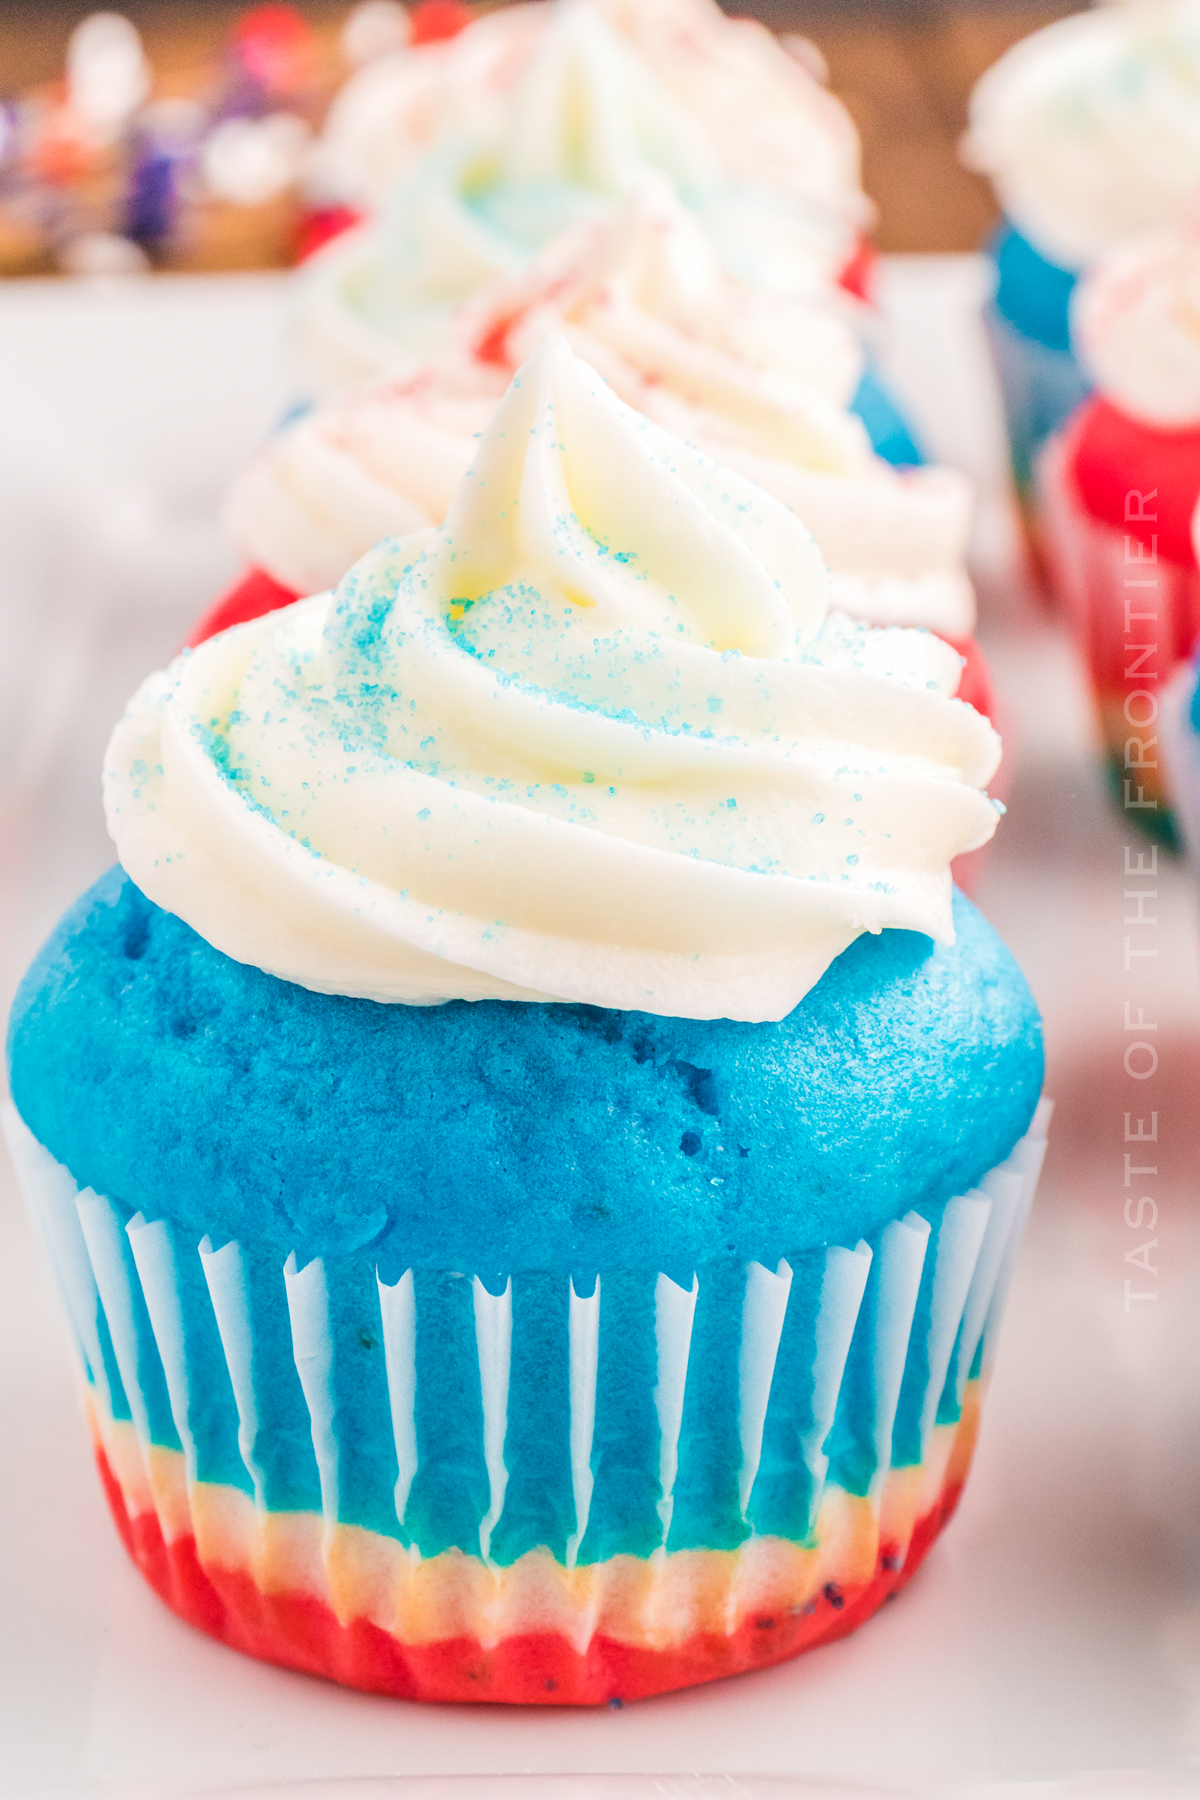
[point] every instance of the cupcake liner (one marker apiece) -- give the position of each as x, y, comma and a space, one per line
530, 1487
1181, 757
1040, 388
1088, 568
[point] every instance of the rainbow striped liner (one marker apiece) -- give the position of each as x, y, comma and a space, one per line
530, 1488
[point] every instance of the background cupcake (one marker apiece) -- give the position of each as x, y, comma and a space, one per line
1118, 490
760, 381
587, 122
592, 114
538, 1412
775, 124
1089, 132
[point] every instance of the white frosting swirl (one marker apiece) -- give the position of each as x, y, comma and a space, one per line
772, 121
393, 111
1135, 320
586, 125
647, 281
756, 380
379, 463
593, 740
1090, 128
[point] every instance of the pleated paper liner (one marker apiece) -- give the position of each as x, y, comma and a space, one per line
453, 1487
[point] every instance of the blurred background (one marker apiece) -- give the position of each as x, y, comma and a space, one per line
903, 67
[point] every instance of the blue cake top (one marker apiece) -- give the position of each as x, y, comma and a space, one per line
1034, 295
495, 1136
889, 431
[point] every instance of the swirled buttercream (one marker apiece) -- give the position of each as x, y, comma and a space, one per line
646, 282
398, 107
595, 739
378, 463
772, 121
1090, 128
1136, 325
586, 125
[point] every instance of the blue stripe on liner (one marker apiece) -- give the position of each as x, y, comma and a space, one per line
706, 1514
625, 1445
450, 1493
212, 1419
366, 1453
782, 1502
539, 1502
281, 1448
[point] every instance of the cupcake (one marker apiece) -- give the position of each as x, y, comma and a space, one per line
532, 1148
585, 125
775, 125
1089, 131
1117, 490
595, 110
759, 381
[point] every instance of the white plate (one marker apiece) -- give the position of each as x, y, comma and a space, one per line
1056, 1629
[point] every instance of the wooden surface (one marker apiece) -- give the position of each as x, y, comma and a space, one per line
904, 70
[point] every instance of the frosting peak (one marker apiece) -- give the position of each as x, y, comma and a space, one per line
764, 114
586, 115
755, 379
1135, 318
648, 281
1090, 127
595, 739
700, 555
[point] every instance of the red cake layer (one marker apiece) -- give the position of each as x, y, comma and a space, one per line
858, 275
975, 687
302, 1633
1113, 460
255, 594
321, 225
1094, 558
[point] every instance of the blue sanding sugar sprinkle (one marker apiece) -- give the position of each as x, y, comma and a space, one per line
507, 1136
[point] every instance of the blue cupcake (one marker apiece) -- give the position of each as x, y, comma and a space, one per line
532, 1150
1088, 130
